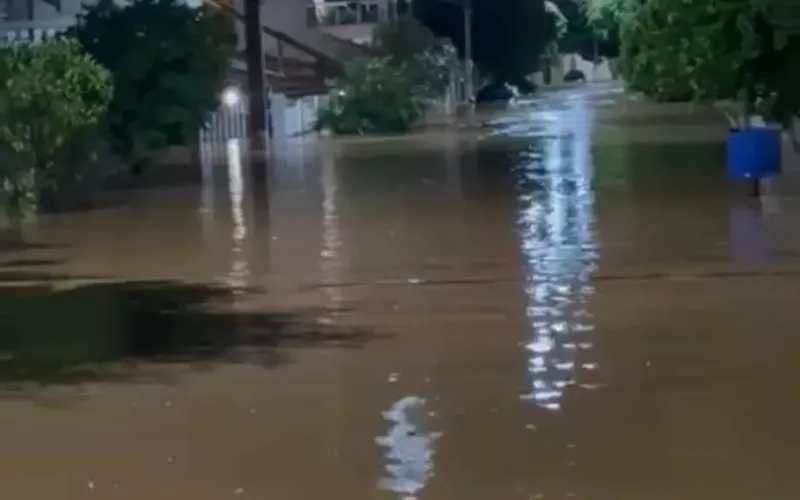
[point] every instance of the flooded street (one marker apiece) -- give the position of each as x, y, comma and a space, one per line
568, 303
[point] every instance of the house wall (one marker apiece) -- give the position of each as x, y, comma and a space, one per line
287, 16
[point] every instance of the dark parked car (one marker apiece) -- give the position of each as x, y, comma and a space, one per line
575, 75
494, 92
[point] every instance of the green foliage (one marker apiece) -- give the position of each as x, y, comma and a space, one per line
378, 97
605, 18
408, 43
52, 98
557, 25
393, 90
677, 50
559, 21
169, 62
508, 36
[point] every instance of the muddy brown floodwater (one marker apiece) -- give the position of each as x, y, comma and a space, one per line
569, 302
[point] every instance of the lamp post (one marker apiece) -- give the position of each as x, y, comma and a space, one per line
468, 66
257, 98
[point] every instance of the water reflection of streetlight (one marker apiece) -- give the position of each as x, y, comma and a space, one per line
409, 448
558, 246
330, 258
239, 270
207, 194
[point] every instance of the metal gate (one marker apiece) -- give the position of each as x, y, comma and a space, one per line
229, 121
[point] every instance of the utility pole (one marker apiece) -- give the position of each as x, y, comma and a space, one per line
256, 91
468, 66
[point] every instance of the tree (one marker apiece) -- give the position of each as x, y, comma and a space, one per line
508, 36
394, 88
579, 37
777, 73
409, 43
52, 99
673, 50
605, 17
373, 98
169, 63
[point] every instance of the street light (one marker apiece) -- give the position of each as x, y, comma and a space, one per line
231, 96
468, 67
257, 98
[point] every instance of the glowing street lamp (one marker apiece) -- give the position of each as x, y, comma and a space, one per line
231, 97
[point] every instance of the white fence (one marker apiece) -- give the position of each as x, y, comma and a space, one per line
12, 32
344, 13
287, 118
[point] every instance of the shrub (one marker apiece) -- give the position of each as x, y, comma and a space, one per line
392, 90
169, 62
377, 97
407, 42
52, 99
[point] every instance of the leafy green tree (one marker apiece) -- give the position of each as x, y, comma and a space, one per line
605, 17
579, 36
169, 62
394, 89
407, 42
508, 36
377, 97
673, 50
52, 99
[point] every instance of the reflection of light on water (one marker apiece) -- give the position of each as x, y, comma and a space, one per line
207, 194
330, 260
558, 246
239, 271
409, 448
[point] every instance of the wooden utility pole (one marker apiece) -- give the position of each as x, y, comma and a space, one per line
256, 89
468, 64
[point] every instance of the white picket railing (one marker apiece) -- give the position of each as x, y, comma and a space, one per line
32, 31
359, 12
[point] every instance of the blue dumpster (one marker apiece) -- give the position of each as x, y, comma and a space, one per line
753, 153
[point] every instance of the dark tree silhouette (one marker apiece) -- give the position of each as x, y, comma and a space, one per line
581, 37
508, 36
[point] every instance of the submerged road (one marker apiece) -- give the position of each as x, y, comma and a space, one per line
567, 303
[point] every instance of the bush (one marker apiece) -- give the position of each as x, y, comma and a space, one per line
392, 90
407, 42
169, 62
52, 99
377, 97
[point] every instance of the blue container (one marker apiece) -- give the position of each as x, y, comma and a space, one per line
753, 153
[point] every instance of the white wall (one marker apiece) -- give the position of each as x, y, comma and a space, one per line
292, 117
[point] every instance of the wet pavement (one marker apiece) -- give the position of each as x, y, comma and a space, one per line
568, 302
